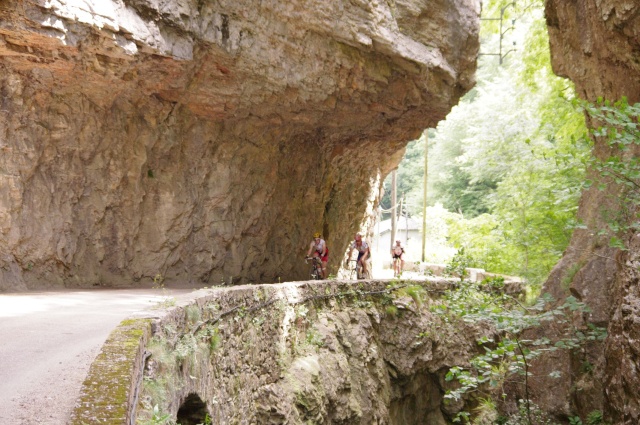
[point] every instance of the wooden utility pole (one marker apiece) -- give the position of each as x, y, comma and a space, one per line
406, 221
394, 201
399, 222
424, 195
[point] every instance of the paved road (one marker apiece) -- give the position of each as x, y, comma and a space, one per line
48, 341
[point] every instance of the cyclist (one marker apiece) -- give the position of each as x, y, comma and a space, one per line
397, 254
363, 252
318, 248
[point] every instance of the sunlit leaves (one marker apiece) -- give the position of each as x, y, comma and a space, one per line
617, 125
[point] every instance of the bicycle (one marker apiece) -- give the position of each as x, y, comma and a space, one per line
316, 267
397, 266
356, 271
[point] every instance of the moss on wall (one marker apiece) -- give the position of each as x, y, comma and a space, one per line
109, 390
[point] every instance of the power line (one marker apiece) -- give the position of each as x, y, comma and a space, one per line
502, 33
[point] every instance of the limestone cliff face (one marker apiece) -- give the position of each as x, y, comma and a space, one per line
207, 140
597, 44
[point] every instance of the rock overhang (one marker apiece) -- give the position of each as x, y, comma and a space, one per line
242, 54
199, 94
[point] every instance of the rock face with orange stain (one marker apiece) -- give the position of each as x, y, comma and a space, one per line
202, 142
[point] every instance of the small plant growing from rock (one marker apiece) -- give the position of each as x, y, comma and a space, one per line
213, 334
158, 418
193, 314
186, 346
391, 310
313, 337
575, 420
596, 418
158, 281
416, 292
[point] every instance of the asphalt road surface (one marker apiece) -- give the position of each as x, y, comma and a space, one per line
48, 341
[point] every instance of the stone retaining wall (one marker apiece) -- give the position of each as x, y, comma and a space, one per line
301, 352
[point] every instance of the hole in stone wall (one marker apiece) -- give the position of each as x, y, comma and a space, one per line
193, 411
417, 400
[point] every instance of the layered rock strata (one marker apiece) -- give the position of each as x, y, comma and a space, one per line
202, 142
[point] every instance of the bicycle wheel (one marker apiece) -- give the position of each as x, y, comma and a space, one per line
365, 275
353, 273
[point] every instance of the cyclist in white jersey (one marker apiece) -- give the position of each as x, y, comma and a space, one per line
318, 248
397, 254
363, 252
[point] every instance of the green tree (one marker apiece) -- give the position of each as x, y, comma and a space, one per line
509, 159
409, 177
462, 194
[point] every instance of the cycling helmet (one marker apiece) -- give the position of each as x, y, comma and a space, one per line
317, 235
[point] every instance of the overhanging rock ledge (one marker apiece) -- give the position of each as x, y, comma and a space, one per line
206, 141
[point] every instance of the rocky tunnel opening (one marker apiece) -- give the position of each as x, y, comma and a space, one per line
416, 400
192, 411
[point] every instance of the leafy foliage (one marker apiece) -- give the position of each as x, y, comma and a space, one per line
619, 171
462, 194
509, 161
595, 418
507, 354
459, 264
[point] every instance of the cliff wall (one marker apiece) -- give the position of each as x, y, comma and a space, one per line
596, 43
207, 141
